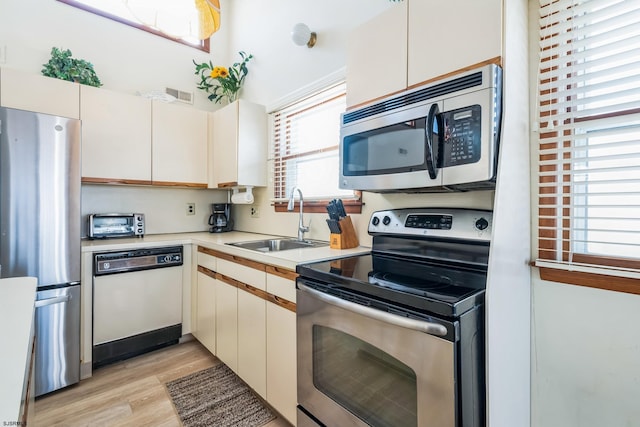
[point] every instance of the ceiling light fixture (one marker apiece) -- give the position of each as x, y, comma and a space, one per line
301, 35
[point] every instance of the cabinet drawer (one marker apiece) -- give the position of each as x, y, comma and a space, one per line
281, 287
207, 261
242, 273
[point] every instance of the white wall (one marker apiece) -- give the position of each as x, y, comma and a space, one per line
164, 208
126, 59
280, 67
586, 357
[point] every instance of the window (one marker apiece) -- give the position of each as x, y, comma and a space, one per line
306, 136
589, 142
176, 20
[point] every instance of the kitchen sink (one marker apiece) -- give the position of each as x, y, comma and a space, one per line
274, 245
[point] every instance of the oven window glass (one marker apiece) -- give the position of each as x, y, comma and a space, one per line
393, 149
373, 385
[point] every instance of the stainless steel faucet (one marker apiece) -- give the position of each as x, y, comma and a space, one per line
301, 227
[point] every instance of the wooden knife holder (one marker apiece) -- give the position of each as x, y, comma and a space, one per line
347, 239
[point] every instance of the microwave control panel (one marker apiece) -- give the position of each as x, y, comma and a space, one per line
462, 136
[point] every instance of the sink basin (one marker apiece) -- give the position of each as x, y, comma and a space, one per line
274, 245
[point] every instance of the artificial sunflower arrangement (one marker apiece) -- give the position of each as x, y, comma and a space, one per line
222, 82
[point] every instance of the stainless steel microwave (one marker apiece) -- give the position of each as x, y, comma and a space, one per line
442, 136
110, 225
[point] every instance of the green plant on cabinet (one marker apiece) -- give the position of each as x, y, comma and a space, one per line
63, 66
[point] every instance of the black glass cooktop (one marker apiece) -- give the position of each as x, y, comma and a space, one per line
437, 287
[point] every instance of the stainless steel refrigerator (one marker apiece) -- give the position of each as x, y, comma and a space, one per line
40, 233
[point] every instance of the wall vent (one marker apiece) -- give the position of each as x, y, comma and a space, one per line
180, 95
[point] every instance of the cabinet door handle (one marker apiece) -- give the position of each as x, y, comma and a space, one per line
54, 300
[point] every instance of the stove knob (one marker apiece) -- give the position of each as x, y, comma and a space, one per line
482, 224
386, 220
375, 221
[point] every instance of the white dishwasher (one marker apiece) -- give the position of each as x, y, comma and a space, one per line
137, 302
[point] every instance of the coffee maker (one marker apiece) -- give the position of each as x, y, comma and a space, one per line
220, 219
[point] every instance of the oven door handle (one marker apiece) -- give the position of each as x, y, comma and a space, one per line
403, 322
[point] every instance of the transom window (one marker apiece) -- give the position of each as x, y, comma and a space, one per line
176, 20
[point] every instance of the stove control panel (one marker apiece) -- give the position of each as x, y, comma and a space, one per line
469, 224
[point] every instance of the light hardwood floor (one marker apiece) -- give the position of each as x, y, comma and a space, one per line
128, 393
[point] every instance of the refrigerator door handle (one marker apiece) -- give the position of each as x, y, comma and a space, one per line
55, 300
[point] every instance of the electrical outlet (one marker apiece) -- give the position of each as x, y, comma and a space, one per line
255, 212
191, 208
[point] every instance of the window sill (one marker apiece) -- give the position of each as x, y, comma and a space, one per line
618, 280
320, 206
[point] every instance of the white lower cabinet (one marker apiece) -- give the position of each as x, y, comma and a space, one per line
281, 342
227, 324
206, 312
281, 361
248, 310
252, 341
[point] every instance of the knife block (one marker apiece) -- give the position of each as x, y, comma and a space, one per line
347, 239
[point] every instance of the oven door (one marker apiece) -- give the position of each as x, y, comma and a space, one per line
359, 366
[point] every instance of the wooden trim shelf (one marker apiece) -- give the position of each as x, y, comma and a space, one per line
179, 184
253, 290
227, 184
282, 272
270, 269
279, 301
114, 181
207, 272
273, 269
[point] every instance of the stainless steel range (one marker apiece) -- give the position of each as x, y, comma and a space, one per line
395, 337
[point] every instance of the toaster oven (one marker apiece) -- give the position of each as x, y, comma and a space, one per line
110, 225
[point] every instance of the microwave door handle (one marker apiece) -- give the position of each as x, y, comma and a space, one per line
431, 157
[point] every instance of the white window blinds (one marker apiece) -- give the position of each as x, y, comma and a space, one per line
589, 132
305, 150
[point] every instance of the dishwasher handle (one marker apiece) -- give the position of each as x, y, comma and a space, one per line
403, 322
54, 300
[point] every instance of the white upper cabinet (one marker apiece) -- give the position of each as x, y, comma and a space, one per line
116, 137
33, 92
377, 56
447, 36
416, 41
239, 145
179, 145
